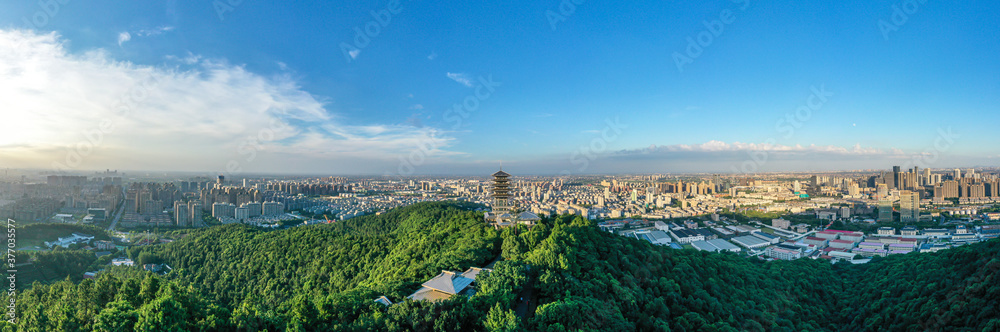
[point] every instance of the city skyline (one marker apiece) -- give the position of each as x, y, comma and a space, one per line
224, 89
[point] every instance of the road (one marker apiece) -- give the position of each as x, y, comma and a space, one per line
527, 303
802, 236
118, 214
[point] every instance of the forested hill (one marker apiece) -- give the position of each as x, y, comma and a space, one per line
389, 252
325, 277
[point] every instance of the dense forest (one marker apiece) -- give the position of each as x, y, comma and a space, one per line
561, 275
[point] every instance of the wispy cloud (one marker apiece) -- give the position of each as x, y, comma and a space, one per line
417, 107
719, 146
124, 37
461, 78
193, 119
543, 115
155, 31
432, 56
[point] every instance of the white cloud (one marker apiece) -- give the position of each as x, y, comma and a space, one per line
155, 31
55, 103
461, 78
124, 37
432, 56
417, 107
719, 146
354, 53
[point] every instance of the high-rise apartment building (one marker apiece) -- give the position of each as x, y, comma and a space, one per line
977, 190
853, 189
885, 210
223, 210
272, 208
946, 189
909, 206
182, 215
241, 213
896, 175
194, 208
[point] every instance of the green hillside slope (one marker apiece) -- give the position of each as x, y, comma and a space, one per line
562, 275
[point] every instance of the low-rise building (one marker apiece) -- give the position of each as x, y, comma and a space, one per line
770, 238
704, 246
448, 284
853, 237
827, 235
929, 247
826, 215
842, 255
781, 223
886, 231
750, 242
784, 252
707, 233
908, 231
888, 240
841, 244
686, 235
661, 226
870, 252
723, 232
724, 245
990, 231
656, 237
937, 233
691, 224
104, 245
964, 238
871, 245
900, 247
961, 229
816, 241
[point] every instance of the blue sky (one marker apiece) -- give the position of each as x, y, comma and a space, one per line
558, 84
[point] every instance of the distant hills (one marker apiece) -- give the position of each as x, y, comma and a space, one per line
575, 277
